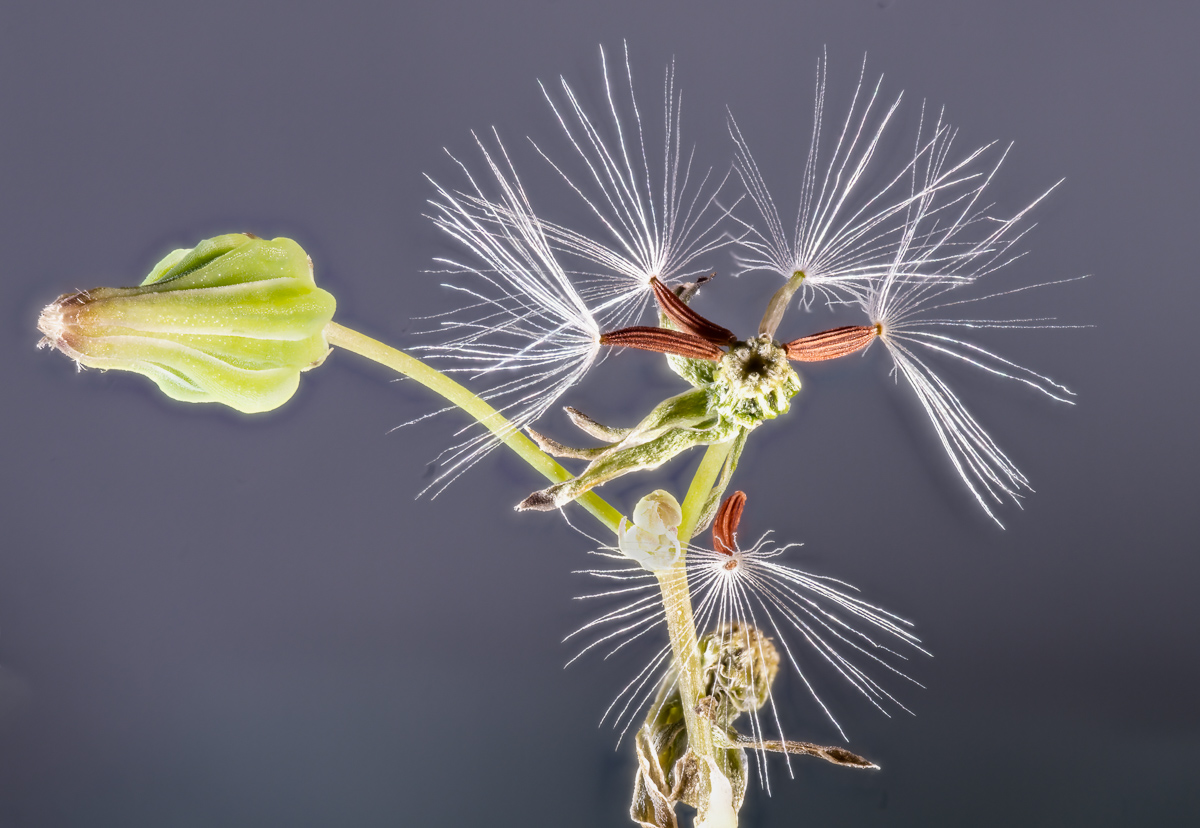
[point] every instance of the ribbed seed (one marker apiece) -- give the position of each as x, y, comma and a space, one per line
831, 344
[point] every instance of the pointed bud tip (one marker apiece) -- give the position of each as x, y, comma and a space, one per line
50, 324
541, 501
845, 758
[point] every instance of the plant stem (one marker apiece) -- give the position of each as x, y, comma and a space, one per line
681, 625
779, 304
677, 603
469, 402
702, 483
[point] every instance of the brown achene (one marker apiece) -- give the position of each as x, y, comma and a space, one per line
831, 344
663, 341
700, 338
687, 319
725, 524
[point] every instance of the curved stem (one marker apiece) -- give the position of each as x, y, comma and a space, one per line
469, 402
681, 625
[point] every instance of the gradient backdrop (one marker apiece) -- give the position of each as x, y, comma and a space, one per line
210, 620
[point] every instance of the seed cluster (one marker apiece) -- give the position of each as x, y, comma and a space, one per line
754, 382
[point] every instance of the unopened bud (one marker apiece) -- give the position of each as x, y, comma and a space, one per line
233, 320
658, 512
653, 539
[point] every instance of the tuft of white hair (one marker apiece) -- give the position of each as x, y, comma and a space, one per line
523, 330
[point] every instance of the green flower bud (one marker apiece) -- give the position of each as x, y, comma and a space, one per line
234, 320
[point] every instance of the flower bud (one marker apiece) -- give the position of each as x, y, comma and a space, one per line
233, 320
658, 513
653, 539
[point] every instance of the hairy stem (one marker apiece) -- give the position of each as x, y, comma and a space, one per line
461, 397
681, 626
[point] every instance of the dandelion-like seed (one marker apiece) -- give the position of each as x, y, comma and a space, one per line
657, 219
748, 585
799, 619
951, 241
524, 328
236, 319
846, 232
531, 327
836, 246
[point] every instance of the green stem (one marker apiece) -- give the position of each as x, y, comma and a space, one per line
463, 398
681, 626
779, 304
702, 483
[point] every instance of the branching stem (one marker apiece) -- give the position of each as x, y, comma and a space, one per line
673, 583
461, 397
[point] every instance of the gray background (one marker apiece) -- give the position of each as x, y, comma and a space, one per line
213, 620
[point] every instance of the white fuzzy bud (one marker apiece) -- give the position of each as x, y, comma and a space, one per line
653, 539
658, 513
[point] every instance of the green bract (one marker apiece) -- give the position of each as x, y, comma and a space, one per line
751, 383
233, 320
